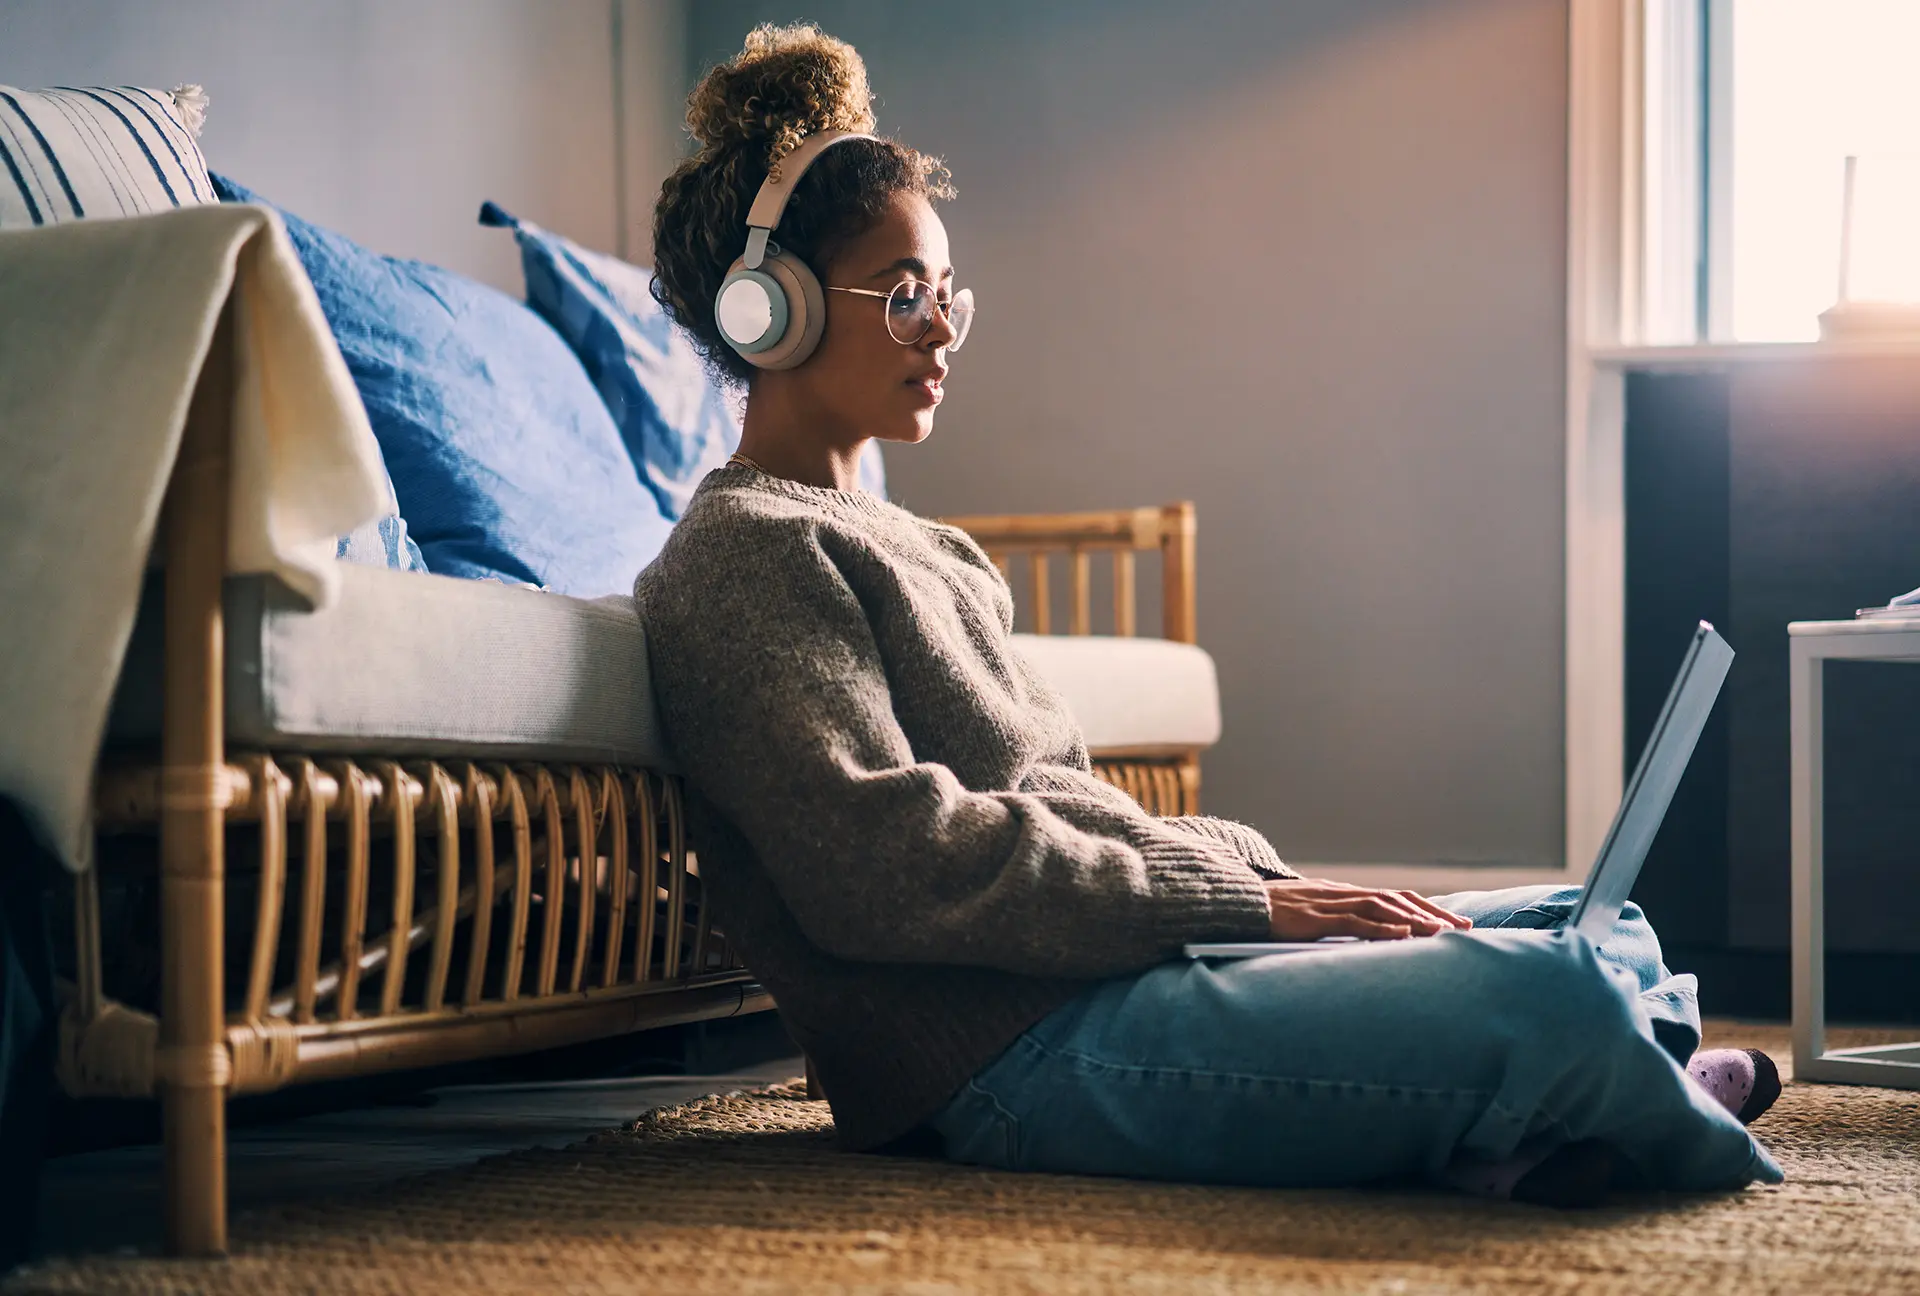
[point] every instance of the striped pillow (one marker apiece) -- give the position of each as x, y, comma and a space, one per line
73, 153
76, 153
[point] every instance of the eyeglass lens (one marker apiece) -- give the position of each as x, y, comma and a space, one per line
910, 310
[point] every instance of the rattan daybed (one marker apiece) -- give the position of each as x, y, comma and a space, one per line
475, 852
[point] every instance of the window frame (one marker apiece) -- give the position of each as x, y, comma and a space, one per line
1608, 236
1608, 217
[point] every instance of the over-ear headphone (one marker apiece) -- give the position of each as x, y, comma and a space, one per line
770, 308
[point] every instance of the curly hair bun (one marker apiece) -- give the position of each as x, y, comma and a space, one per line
747, 115
786, 84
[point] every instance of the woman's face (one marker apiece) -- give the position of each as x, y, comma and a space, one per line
861, 382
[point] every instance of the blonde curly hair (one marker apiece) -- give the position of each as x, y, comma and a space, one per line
746, 116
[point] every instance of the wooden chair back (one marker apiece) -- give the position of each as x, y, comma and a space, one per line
1037, 539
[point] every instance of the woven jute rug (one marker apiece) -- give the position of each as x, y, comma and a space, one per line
747, 1194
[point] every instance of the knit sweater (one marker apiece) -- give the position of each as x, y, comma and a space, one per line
894, 816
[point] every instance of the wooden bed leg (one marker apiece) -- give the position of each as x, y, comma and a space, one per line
814, 1092
193, 1065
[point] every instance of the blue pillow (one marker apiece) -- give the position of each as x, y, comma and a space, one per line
383, 542
504, 460
676, 422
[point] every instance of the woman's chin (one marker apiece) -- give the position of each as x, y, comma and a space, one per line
911, 433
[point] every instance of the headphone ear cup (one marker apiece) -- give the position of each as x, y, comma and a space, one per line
806, 314
750, 310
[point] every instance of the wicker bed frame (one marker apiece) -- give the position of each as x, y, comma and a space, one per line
374, 914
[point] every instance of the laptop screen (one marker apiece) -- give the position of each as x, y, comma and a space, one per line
1654, 781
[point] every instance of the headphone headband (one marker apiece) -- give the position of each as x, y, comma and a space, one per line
770, 204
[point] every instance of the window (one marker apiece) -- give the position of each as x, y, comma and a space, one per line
1779, 165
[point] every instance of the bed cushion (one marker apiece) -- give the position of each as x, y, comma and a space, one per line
505, 461
1131, 694
677, 423
418, 665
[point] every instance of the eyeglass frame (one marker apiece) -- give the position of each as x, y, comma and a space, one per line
945, 312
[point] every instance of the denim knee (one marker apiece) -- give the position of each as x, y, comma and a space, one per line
1565, 992
1631, 927
1566, 897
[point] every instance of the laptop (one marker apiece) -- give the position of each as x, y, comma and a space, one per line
1649, 793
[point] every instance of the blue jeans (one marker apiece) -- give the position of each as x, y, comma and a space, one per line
1368, 1062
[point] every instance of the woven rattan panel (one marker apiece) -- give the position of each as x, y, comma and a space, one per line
747, 1194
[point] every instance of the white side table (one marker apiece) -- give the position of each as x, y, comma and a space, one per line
1811, 645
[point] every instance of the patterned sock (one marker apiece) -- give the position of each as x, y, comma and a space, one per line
1744, 1081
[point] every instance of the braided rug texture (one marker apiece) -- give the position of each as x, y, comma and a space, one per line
746, 1193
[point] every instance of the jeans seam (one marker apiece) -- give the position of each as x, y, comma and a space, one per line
1272, 1082
1010, 1122
975, 1086
1532, 909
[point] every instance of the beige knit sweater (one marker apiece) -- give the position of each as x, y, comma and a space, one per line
893, 811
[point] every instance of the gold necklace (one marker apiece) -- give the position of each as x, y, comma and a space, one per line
737, 458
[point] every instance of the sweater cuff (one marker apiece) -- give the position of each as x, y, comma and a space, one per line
1253, 849
1197, 899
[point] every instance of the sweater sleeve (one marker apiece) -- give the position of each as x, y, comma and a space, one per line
776, 700
1252, 848
1067, 788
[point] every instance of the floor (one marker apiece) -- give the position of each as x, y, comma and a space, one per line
109, 1201
749, 1194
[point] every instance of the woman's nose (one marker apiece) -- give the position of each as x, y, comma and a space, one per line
941, 332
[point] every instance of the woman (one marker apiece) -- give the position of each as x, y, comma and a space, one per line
975, 939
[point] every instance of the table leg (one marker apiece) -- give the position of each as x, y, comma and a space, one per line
1807, 687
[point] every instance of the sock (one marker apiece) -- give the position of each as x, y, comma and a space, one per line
1744, 1081
1566, 1175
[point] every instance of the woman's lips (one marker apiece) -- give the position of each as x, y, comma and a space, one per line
928, 389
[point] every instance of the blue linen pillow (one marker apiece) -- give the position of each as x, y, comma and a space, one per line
677, 424
383, 542
505, 463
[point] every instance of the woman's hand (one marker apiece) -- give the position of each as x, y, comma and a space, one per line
1306, 909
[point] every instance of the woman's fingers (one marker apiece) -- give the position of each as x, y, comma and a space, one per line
1309, 908
1366, 928
1416, 906
1390, 907
1297, 918
1448, 916
1311, 922
1327, 890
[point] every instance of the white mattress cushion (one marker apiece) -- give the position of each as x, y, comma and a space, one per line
405, 663
409, 664
1131, 693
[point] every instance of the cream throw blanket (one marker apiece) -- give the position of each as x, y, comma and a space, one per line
104, 325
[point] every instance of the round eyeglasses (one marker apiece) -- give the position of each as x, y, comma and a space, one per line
911, 307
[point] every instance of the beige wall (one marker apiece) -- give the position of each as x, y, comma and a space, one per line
1304, 264
1301, 262
390, 120
653, 107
